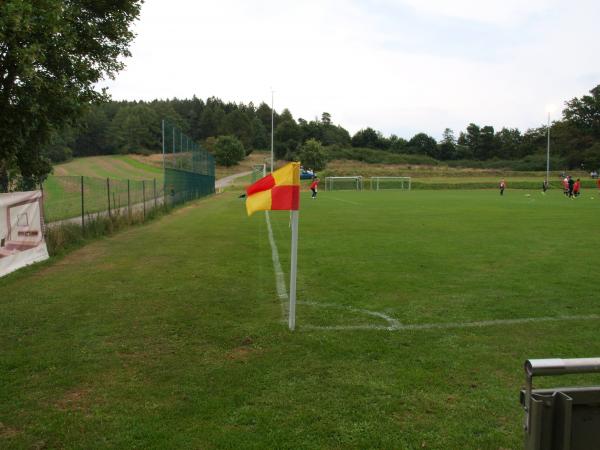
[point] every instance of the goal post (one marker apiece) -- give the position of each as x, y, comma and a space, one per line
258, 172
380, 183
353, 183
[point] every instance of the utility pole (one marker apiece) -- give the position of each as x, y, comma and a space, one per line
548, 153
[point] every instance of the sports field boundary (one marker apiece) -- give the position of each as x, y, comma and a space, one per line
392, 323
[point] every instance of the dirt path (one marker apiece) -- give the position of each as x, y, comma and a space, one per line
226, 181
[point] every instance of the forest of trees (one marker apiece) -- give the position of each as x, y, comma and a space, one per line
134, 127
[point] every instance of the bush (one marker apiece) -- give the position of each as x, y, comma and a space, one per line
530, 163
371, 156
312, 155
62, 237
228, 151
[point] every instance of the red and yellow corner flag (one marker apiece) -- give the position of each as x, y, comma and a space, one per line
279, 190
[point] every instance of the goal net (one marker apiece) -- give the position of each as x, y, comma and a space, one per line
379, 183
354, 183
258, 171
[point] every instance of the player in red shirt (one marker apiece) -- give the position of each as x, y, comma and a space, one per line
576, 188
313, 187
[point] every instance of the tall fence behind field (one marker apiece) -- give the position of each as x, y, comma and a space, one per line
76, 198
189, 169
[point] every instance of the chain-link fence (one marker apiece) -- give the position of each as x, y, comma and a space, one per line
189, 169
76, 197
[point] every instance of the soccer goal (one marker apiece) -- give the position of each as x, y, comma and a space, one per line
258, 171
354, 183
379, 183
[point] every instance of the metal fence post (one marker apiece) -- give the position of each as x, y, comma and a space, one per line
144, 197
155, 199
82, 206
128, 200
108, 194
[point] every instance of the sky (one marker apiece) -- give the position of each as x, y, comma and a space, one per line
401, 67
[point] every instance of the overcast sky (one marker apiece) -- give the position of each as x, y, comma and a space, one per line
401, 66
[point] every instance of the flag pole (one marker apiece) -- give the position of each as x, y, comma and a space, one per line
272, 128
293, 271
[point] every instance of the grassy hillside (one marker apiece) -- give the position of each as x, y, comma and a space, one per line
120, 167
416, 311
448, 177
256, 157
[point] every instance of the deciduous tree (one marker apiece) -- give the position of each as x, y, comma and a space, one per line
52, 54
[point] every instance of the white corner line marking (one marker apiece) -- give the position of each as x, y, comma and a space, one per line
279, 280
393, 324
449, 325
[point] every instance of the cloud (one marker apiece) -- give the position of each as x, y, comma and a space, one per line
504, 12
400, 67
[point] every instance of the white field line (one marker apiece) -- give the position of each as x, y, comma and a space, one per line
279, 280
392, 324
449, 325
341, 200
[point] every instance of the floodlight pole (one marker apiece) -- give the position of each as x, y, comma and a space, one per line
548, 153
272, 129
163, 142
293, 270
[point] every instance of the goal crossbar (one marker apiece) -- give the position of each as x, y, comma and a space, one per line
358, 182
375, 182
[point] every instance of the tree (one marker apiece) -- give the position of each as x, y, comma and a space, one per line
312, 155
487, 145
238, 124
447, 147
288, 136
93, 137
260, 138
263, 112
326, 118
369, 138
211, 121
52, 54
397, 144
58, 149
135, 130
584, 112
509, 143
228, 151
423, 144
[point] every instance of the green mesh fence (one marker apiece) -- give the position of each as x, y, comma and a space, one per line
189, 173
189, 169
71, 197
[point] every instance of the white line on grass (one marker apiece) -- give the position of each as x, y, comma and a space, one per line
341, 200
392, 324
433, 326
279, 280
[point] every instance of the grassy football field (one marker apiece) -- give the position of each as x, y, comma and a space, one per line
416, 312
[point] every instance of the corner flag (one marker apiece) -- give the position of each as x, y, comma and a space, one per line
279, 190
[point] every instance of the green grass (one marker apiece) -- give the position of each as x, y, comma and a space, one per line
119, 167
171, 334
62, 190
